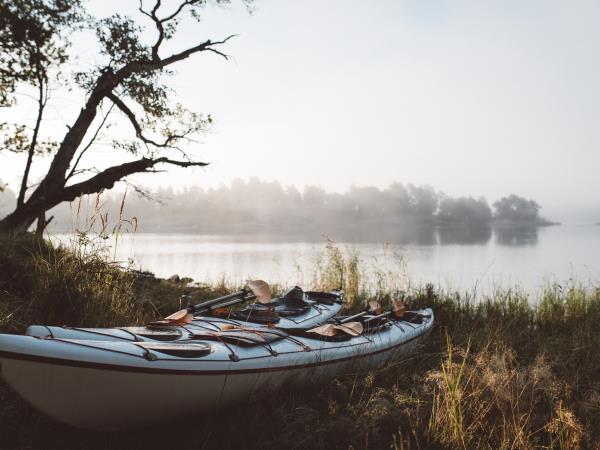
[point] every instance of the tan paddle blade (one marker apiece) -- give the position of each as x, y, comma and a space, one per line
261, 290
181, 316
399, 308
324, 330
375, 307
351, 328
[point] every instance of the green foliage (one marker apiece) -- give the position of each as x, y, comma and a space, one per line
119, 40
34, 33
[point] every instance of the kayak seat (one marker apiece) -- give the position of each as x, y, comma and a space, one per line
154, 333
297, 297
255, 315
326, 298
414, 317
294, 303
259, 313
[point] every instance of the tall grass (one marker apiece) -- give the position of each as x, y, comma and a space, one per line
58, 285
500, 371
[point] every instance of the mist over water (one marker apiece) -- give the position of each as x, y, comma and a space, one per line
451, 258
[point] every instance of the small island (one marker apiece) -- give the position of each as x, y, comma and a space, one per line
517, 211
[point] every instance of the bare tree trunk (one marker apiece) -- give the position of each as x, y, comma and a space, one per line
21, 218
41, 225
36, 130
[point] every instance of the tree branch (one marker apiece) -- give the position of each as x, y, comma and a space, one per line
104, 86
136, 125
148, 66
178, 10
89, 144
160, 22
159, 27
108, 177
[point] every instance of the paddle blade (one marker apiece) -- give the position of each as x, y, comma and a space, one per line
324, 330
261, 290
399, 308
352, 328
329, 330
221, 312
375, 307
181, 316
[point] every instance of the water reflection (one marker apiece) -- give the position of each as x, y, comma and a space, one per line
516, 236
402, 235
425, 236
464, 235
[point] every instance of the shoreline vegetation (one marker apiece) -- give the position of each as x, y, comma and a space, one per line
506, 371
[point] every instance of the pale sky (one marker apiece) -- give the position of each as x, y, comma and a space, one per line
471, 97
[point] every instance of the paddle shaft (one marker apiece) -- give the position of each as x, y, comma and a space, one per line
200, 306
387, 313
351, 318
226, 304
379, 316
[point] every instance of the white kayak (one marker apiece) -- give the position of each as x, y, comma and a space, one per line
121, 384
296, 309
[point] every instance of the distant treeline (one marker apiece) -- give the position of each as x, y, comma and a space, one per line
256, 206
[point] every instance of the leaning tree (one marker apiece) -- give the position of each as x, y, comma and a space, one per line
36, 36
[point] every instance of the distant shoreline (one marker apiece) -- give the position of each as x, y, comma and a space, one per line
361, 228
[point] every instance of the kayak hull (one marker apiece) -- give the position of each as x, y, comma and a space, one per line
115, 386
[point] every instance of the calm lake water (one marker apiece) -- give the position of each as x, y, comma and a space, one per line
450, 259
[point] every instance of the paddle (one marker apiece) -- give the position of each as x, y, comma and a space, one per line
398, 310
258, 288
330, 329
347, 325
374, 307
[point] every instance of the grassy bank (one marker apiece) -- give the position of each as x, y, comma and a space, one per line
502, 372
